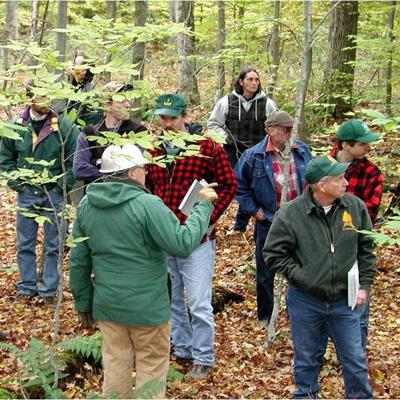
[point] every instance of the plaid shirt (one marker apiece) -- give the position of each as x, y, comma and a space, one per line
365, 181
278, 165
212, 165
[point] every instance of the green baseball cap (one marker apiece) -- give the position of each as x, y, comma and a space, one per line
279, 118
357, 130
170, 104
319, 167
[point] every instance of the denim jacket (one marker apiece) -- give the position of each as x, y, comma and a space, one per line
255, 175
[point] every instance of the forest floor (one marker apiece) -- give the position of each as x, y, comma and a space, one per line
243, 368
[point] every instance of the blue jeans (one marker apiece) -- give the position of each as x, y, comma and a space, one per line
364, 322
264, 276
307, 315
27, 229
193, 276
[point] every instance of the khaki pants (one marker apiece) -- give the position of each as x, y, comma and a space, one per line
147, 345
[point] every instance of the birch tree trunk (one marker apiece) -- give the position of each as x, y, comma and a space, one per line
275, 48
220, 72
61, 44
389, 64
306, 62
301, 93
339, 71
139, 51
186, 48
34, 19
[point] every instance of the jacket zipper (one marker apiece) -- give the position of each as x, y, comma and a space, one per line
331, 239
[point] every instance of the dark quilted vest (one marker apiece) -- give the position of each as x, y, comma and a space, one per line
248, 130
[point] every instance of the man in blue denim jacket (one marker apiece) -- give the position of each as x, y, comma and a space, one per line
261, 177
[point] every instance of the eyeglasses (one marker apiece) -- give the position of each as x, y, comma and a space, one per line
285, 129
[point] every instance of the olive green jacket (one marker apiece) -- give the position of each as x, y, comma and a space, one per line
315, 254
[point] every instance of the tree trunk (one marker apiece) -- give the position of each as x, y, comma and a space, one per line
301, 93
186, 48
10, 31
275, 48
111, 9
44, 22
237, 63
306, 62
111, 12
389, 64
34, 19
139, 51
61, 45
339, 72
220, 72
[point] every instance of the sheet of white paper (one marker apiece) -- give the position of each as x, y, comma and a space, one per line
353, 285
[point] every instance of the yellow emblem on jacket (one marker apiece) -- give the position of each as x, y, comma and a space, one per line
347, 221
54, 123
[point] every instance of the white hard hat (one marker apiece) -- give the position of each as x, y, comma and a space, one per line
117, 158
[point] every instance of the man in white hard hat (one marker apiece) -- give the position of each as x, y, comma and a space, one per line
128, 232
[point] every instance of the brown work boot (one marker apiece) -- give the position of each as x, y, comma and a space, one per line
199, 372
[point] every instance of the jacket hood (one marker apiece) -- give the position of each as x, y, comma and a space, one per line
260, 95
110, 194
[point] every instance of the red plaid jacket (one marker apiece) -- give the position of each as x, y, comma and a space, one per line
366, 182
212, 165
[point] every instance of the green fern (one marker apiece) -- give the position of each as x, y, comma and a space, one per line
85, 346
37, 371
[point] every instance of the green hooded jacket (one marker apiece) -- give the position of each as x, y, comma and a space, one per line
316, 255
119, 273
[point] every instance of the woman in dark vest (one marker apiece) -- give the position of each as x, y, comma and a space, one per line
240, 118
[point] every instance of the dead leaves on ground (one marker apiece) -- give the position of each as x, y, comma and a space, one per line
243, 368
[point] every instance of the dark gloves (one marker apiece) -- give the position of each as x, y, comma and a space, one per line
86, 319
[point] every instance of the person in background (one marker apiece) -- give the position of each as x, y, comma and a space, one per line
240, 117
119, 274
81, 78
314, 241
261, 177
192, 337
365, 180
115, 119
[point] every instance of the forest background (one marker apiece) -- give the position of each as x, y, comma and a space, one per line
322, 61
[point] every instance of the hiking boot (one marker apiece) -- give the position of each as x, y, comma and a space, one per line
183, 360
50, 301
23, 296
199, 372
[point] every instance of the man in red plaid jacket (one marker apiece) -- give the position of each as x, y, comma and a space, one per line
364, 177
193, 339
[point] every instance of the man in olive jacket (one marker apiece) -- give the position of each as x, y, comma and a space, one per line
314, 241
45, 137
128, 233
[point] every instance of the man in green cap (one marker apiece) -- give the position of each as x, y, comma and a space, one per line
314, 241
191, 277
365, 179
261, 177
